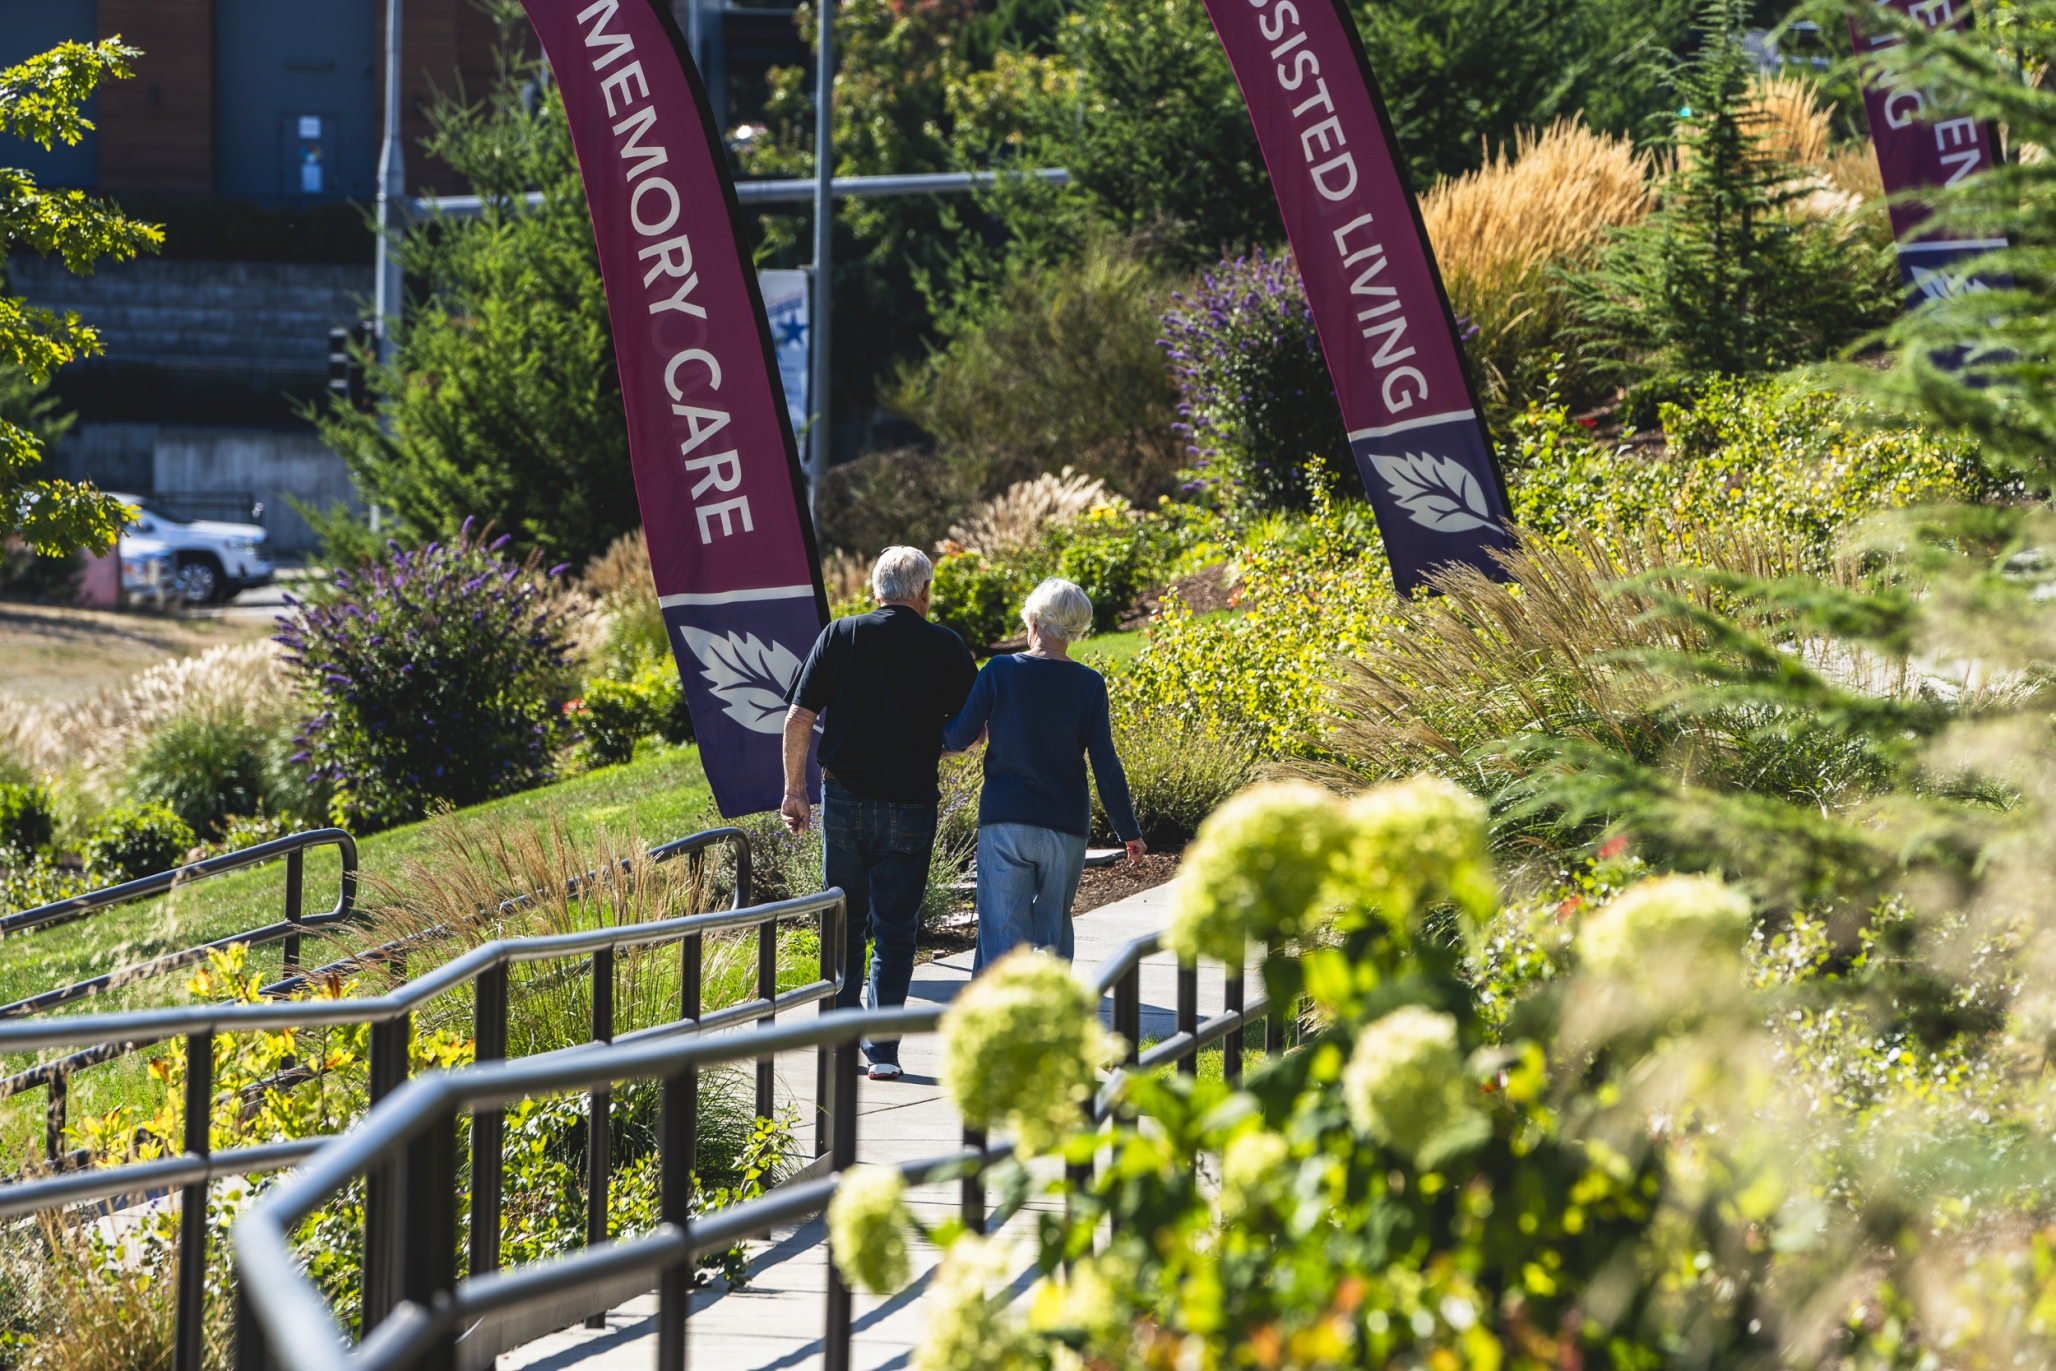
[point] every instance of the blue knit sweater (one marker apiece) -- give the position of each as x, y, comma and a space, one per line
1044, 717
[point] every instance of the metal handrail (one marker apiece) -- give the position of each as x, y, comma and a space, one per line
414, 1134
390, 1018
94, 901
292, 847
55, 1075
430, 1320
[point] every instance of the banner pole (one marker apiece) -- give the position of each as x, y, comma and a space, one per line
824, 249
392, 195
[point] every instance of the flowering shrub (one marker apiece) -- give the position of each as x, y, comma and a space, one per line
867, 1229
1021, 1046
1694, 915
432, 671
1253, 870
1253, 387
1412, 845
1406, 1086
1400, 1190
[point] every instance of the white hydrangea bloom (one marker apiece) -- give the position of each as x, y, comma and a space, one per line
867, 1229
1252, 1161
1022, 1046
1415, 844
1680, 920
1405, 1082
1254, 871
967, 1328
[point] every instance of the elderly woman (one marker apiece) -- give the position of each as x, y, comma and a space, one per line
1043, 714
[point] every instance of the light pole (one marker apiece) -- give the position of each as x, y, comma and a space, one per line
824, 244
392, 194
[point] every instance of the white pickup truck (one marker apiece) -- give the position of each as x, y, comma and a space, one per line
200, 561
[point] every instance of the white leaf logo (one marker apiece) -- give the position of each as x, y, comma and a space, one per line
746, 676
1436, 492
1938, 285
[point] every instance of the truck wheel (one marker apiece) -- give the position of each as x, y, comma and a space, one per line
199, 581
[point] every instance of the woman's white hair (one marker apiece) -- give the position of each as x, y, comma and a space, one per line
1058, 608
901, 573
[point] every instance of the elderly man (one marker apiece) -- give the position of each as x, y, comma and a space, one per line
887, 681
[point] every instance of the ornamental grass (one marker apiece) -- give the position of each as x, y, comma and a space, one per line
1502, 232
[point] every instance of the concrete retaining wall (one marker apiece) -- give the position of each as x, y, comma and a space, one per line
259, 319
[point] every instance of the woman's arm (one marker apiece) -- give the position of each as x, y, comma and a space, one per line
1113, 779
967, 730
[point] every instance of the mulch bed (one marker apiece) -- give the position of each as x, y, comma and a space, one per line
1103, 885
1203, 592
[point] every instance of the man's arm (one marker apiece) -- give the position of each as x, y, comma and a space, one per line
799, 731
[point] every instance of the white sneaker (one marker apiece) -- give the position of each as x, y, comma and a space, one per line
885, 1071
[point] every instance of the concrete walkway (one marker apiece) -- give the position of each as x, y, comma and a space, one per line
775, 1323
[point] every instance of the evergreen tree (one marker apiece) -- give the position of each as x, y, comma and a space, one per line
1724, 277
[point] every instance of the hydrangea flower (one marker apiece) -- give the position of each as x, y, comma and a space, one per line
1254, 871
1412, 845
1251, 1163
968, 1330
1022, 1045
1405, 1085
867, 1229
1682, 920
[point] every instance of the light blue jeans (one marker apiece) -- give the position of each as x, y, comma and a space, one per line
1027, 878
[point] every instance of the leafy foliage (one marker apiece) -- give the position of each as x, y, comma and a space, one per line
432, 671
1723, 278
203, 768
28, 819
41, 101
131, 841
615, 713
1059, 366
501, 399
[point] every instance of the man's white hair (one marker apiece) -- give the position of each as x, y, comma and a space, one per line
1060, 609
901, 574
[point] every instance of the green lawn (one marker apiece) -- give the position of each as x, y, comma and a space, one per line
1104, 650
659, 796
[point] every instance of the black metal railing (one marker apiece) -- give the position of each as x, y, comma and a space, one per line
55, 1076
390, 1017
293, 848
433, 1321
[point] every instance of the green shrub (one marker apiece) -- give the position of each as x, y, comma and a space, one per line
131, 841
979, 599
28, 819
202, 767
248, 830
614, 714
40, 882
1789, 461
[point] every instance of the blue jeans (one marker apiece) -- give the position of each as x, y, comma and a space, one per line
877, 851
1027, 878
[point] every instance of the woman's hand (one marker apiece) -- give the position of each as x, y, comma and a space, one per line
1136, 847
